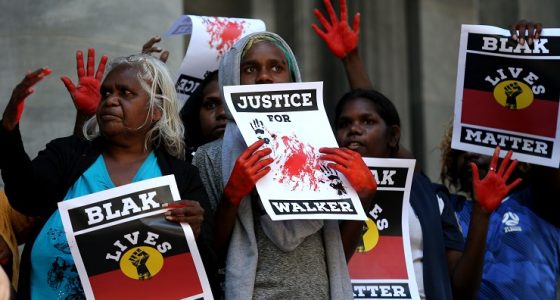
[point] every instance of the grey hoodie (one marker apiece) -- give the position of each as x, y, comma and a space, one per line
241, 264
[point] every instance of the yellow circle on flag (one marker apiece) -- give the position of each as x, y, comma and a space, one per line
370, 236
141, 263
513, 94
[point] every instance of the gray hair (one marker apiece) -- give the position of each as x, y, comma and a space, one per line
157, 82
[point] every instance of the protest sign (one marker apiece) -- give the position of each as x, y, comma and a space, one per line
382, 266
291, 118
124, 248
507, 95
210, 39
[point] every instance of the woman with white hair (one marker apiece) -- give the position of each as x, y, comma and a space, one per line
136, 134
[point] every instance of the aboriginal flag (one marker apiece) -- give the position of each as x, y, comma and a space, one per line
513, 94
380, 254
146, 258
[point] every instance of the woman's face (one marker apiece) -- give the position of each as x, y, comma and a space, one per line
264, 63
124, 104
360, 128
212, 115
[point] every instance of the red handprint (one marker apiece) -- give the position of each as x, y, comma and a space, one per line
339, 37
490, 191
86, 95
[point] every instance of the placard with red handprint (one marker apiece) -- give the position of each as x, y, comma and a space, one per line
291, 119
210, 39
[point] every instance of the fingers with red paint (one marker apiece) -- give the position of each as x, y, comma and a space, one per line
492, 189
186, 211
14, 109
149, 48
354, 168
339, 37
86, 94
251, 166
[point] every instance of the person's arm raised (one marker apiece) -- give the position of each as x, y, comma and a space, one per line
14, 109
466, 269
86, 95
343, 42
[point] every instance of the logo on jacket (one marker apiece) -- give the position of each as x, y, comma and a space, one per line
511, 222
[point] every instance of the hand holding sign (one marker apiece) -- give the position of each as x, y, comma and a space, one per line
149, 48
249, 168
186, 211
353, 167
491, 190
523, 29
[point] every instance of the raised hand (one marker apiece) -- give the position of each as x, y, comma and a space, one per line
490, 191
339, 37
14, 109
149, 48
186, 211
249, 168
354, 168
86, 94
525, 30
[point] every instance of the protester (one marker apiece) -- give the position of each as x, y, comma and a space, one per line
368, 123
135, 135
203, 114
522, 255
14, 227
288, 259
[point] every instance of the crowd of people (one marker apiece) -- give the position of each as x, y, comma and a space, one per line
129, 128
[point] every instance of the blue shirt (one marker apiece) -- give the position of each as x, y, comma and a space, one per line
522, 250
53, 272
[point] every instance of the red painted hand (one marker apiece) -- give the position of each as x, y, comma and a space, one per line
339, 37
249, 168
86, 95
354, 168
490, 191
186, 211
14, 109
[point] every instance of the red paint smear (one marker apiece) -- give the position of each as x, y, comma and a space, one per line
223, 33
298, 164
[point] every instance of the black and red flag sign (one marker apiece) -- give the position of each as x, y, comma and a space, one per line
125, 249
508, 95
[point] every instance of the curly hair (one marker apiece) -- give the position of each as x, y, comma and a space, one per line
449, 173
155, 79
